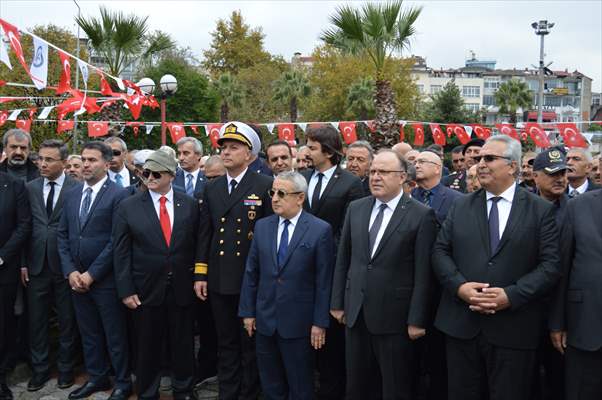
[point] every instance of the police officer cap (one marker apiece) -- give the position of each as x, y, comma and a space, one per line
240, 132
474, 142
160, 161
550, 161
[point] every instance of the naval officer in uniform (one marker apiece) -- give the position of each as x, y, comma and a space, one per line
231, 205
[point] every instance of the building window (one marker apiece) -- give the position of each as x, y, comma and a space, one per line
421, 89
491, 83
596, 101
488, 100
473, 107
471, 91
435, 89
552, 101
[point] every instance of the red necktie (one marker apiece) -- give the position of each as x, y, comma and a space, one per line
164, 220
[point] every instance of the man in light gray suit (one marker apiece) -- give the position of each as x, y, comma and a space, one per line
46, 285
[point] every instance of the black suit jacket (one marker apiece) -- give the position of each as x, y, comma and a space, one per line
15, 226
591, 186
43, 244
32, 170
227, 223
577, 303
525, 265
455, 181
142, 259
441, 199
342, 189
394, 287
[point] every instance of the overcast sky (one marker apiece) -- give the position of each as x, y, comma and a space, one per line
446, 30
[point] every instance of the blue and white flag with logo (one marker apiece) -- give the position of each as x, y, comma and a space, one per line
39, 64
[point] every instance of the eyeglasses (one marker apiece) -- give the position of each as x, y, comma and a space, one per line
458, 160
117, 153
489, 158
422, 162
147, 173
382, 172
280, 193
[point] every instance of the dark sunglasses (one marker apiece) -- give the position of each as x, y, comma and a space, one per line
147, 173
531, 161
116, 152
280, 193
489, 158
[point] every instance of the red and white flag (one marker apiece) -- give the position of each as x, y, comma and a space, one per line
347, 129
286, 132
105, 88
438, 135
65, 80
195, 129
3, 117
481, 131
508, 129
418, 134
24, 124
539, 136
64, 126
402, 135
98, 128
460, 133
135, 126
134, 103
176, 130
14, 38
571, 135
212, 130
371, 126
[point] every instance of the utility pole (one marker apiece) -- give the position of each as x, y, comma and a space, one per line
542, 28
75, 135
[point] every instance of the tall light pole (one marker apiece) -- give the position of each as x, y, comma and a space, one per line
542, 28
75, 135
168, 85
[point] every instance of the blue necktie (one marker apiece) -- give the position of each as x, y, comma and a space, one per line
494, 225
119, 180
189, 188
378, 221
283, 247
426, 198
83, 212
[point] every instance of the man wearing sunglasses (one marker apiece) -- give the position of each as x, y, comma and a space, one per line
119, 171
231, 205
285, 294
496, 257
155, 249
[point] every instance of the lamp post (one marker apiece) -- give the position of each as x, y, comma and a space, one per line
542, 28
168, 85
75, 135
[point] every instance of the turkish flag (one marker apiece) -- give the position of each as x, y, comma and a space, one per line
438, 135
508, 129
286, 132
134, 103
3, 117
449, 130
195, 129
347, 129
523, 136
402, 135
176, 129
212, 130
418, 134
24, 124
12, 33
538, 135
32, 112
461, 133
571, 135
133, 86
481, 131
98, 128
65, 80
135, 126
371, 126
105, 88
65, 126
151, 102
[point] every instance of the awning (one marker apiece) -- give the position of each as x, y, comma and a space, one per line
547, 116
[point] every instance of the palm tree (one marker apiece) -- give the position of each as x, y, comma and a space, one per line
290, 87
377, 30
511, 96
230, 93
360, 99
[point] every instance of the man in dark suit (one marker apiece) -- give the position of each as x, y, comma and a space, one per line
42, 276
119, 171
430, 191
155, 237
189, 178
382, 283
15, 227
86, 253
579, 161
17, 146
330, 190
230, 207
359, 156
285, 294
496, 257
576, 330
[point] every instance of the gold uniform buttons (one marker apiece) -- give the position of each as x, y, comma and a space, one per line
237, 254
221, 229
223, 219
221, 253
238, 220
221, 241
238, 242
238, 231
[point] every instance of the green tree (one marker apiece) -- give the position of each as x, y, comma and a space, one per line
447, 105
230, 94
360, 100
511, 96
377, 30
291, 87
235, 46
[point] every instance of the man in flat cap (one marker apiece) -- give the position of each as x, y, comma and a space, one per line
155, 239
231, 205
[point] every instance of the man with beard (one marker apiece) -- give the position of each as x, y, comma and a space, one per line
526, 172
17, 146
73, 167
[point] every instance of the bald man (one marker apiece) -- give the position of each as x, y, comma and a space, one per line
411, 156
402, 148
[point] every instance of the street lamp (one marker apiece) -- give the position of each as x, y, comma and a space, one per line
168, 85
542, 28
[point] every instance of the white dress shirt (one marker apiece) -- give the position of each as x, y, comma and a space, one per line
237, 178
168, 204
58, 185
503, 206
314, 181
125, 176
195, 176
387, 214
95, 190
581, 189
291, 228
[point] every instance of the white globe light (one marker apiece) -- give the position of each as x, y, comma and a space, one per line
169, 84
147, 85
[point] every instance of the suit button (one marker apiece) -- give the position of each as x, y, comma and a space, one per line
238, 242
490, 264
369, 267
237, 254
221, 241
223, 219
221, 253
238, 231
238, 220
221, 229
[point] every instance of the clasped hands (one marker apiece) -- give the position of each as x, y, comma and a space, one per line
80, 282
482, 298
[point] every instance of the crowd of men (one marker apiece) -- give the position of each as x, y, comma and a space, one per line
322, 272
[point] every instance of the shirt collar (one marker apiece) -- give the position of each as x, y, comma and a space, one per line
581, 189
327, 174
507, 195
238, 178
96, 186
58, 181
392, 204
156, 196
194, 174
293, 220
122, 172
